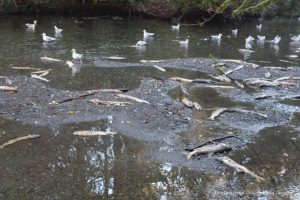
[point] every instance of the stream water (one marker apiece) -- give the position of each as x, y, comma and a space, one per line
61, 166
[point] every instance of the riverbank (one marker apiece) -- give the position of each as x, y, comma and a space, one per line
147, 9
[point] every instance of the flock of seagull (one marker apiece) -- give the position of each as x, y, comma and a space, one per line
248, 41
141, 43
76, 56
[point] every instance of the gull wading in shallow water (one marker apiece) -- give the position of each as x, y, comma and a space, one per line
261, 38
216, 37
147, 34
57, 30
296, 38
276, 40
234, 32
184, 42
258, 27
31, 26
47, 38
76, 56
176, 28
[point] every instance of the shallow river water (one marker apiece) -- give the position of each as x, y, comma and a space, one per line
61, 166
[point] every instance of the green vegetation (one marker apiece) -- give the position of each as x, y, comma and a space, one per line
162, 8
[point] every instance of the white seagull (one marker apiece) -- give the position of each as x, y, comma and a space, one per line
47, 38
276, 40
146, 34
216, 37
76, 56
234, 31
258, 27
176, 28
32, 26
140, 43
296, 38
261, 38
184, 42
57, 30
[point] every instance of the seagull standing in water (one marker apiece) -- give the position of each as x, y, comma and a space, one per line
31, 26
234, 32
147, 34
184, 42
258, 27
47, 38
57, 30
248, 42
296, 38
276, 40
261, 38
176, 28
76, 56
216, 37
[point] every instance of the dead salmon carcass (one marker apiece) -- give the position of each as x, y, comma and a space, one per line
209, 149
239, 168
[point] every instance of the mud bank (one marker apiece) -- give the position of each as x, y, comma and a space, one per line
166, 125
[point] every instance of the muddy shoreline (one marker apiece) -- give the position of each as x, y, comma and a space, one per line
164, 123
